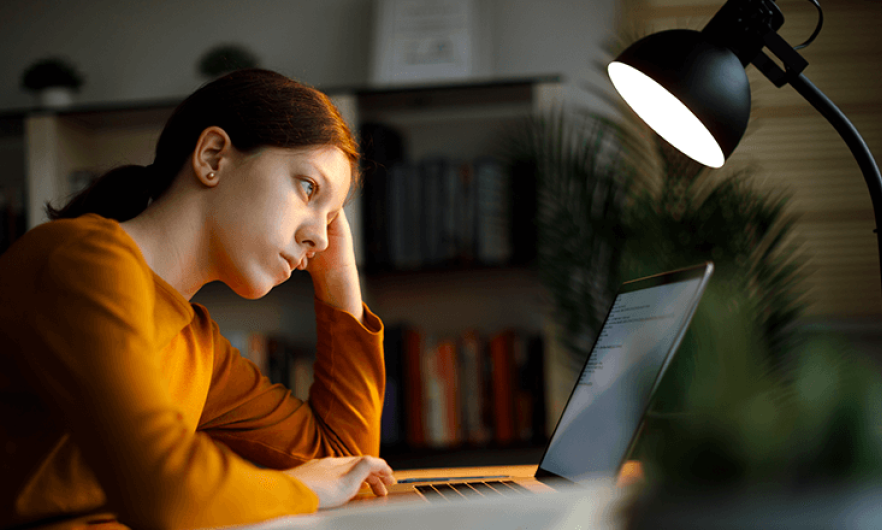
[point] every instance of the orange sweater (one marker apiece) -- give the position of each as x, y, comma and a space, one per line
118, 396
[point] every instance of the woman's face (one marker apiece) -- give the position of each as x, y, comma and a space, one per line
274, 208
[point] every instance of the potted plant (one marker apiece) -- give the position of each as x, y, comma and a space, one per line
54, 80
225, 58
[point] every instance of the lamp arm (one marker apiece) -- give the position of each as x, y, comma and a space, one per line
852, 138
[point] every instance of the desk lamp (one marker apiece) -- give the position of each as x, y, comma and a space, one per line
692, 89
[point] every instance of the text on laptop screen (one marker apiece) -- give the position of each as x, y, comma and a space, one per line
613, 391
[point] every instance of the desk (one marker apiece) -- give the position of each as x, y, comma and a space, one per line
336, 519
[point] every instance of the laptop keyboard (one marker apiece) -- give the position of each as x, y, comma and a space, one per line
470, 490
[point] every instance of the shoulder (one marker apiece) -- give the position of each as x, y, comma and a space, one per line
64, 231
89, 247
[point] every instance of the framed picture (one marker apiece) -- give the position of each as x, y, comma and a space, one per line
424, 40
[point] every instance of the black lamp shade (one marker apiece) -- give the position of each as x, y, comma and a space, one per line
708, 79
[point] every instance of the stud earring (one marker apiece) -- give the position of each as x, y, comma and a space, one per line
211, 176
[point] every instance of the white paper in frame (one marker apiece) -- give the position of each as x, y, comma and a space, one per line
424, 40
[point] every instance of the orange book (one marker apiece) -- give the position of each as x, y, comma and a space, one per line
449, 383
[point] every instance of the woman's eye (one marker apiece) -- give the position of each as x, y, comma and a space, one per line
308, 187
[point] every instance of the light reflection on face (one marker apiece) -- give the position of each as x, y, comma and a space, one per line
272, 209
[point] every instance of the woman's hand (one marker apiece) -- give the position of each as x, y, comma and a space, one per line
340, 254
336, 480
334, 273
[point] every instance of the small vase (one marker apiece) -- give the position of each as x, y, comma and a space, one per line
55, 97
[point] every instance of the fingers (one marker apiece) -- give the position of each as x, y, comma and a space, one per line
378, 483
377, 486
375, 471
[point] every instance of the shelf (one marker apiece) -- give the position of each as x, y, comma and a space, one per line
445, 91
130, 118
477, 91
442, 100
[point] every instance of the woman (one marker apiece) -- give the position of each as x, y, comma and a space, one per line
120, 401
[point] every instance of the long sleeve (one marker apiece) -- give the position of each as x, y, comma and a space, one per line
342, 416
82, 339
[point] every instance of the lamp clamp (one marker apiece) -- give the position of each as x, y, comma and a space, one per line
741, 25
747, 26
793, 62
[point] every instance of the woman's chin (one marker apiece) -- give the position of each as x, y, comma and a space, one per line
252, 290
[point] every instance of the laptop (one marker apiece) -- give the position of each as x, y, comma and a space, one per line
597, 429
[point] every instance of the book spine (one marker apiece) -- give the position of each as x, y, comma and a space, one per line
450, 434
493, 213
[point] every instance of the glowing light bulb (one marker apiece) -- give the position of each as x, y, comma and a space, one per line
667, 116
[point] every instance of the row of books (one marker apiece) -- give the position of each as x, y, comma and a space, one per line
441, 212
437, 212
469, 390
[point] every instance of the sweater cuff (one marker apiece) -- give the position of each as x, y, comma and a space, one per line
371, 324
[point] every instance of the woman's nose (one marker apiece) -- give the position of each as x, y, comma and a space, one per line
315, 236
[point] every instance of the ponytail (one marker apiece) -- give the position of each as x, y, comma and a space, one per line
121, 193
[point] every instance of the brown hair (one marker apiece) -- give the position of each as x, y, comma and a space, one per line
257, 108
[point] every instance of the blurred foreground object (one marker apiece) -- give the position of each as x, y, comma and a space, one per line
792, 445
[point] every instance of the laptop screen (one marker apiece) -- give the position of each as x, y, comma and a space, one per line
636, 343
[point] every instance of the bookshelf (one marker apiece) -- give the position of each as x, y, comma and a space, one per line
461, 122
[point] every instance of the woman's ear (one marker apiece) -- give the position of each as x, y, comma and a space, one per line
214, 145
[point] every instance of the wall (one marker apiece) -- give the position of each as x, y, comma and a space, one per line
131, 51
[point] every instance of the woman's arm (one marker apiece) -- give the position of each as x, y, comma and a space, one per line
342, 416
267, 425
89, 330
334, 272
